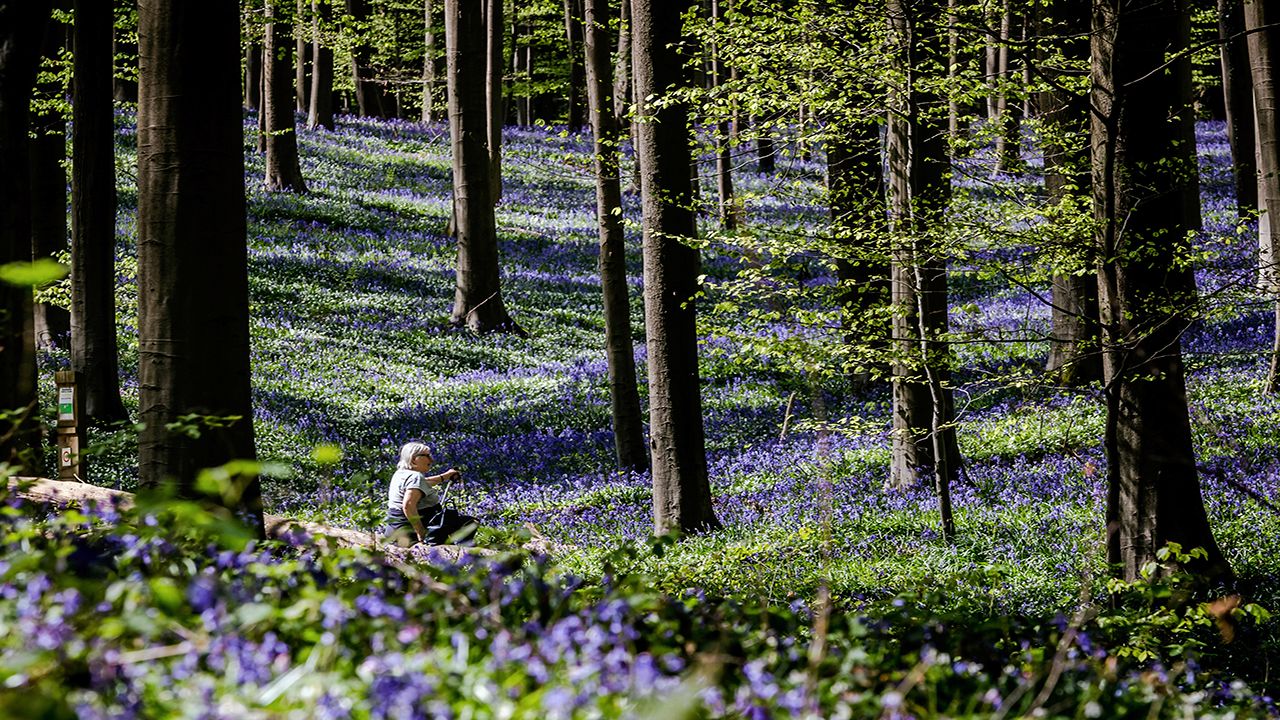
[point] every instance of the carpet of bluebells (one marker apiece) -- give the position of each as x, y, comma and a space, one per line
825, 595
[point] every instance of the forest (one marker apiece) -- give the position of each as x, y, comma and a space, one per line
795, 358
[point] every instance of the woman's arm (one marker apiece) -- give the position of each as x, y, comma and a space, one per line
411, 498
449, 474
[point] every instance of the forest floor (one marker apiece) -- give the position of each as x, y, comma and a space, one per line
351, 288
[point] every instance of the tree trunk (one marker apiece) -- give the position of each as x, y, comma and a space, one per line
493, 93
22, 24
321, 111
1008, 150
428, 64
253, 77
193, 345
728, 210
1264, 61
1073, 343
622, 95
573, 32
924, 442
1146, 291
1237, 92
302, 59
93, 218
283, 172
766, 154
368, 92
49, 192
477, 302
628, 424
681, 491
855, 185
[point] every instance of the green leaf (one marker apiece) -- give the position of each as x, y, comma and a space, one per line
326, 454
33, 274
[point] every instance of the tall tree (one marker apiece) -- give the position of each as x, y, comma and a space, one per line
681, 491
1141, 169
429, 63
49, 183
628, 426
477, 301
1264, 62
303, 60
924, 441
93, 217
22, 24
320, 111
724, 133
369, 93
494, 35
573, 34
1064, 114
193, 288
1237, 91
284, 172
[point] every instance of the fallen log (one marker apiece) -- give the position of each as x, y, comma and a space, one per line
62, 493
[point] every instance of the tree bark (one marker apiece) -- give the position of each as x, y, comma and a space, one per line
369, 94
1146, 290
193, 343
1237, 93
1008, 150
22, 24
1073, 337
93, 217
493, 93
321, 107
728, 209
681, 491
628, 424
573, 33
924, 442
253, 75
428, 64
49, 191
477, 301
1264, 62
302, 58
283, 171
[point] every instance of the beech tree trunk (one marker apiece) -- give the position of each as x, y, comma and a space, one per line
193, 290
283, 171
628, 424
1147, 292
1074, 357
369, 94
727, 208
49, 191
1237, 94
681, 491
253, 76
321, 107
22, 25
93, 217
477, 301
302, 58
493, 92
924, 443
1008, 150
1264, 61
855, 186
428, 64
573, 33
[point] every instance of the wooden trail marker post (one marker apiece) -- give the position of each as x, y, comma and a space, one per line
70, 434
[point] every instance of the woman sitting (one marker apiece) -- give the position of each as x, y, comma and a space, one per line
414, 512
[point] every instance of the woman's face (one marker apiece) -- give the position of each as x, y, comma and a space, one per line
422, 461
